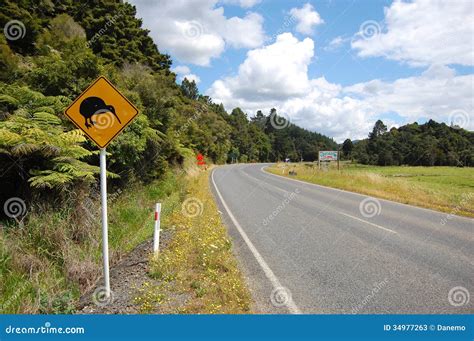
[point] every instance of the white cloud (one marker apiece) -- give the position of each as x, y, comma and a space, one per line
271, 72
181, 69
197, 31
335, 43
271, 77
184, 72
306, 18
240, 32
423, 32
242, 3
434, 94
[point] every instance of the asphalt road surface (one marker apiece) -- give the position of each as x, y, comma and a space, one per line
310, 249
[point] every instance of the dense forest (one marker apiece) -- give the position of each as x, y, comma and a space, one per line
429, 144
52, 50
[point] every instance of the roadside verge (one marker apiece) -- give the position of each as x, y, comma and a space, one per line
194, 272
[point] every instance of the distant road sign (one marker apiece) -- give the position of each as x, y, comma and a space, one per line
328, 155
101, 112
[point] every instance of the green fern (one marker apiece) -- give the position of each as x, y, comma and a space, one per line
46, 118
34, 130
8, 102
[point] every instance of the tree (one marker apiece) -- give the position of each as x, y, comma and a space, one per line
239, 135
259, 119
347, 147
374, 146
189, 89
71, 68
379, 129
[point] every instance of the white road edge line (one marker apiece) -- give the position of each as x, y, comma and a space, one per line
347, 215
368, 222
292, 307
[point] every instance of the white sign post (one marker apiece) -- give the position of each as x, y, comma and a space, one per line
104, 96
105, 236
156, 236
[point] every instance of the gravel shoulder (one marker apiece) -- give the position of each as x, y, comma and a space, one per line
127, 278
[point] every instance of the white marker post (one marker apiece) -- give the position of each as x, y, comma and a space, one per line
156, 235
105, 237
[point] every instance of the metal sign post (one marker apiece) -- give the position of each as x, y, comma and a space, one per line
105, 234
102, 113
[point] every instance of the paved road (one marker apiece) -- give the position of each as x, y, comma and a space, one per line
311, 249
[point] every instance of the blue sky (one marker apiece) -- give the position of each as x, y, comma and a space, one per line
333, 66
342, 18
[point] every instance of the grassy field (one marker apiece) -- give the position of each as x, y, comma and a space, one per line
446, 189
199, 263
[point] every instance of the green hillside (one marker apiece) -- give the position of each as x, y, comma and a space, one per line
65, 47
428, 144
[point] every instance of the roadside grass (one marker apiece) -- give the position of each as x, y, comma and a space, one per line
198, 270
446, 189
46, 264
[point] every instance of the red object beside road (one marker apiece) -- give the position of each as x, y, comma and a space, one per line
200, 159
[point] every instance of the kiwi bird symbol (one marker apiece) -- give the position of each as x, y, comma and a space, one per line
95, 106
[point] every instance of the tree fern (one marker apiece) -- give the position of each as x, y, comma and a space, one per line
34, 133
44, 118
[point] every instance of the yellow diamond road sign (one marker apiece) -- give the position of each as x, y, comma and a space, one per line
101, 112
